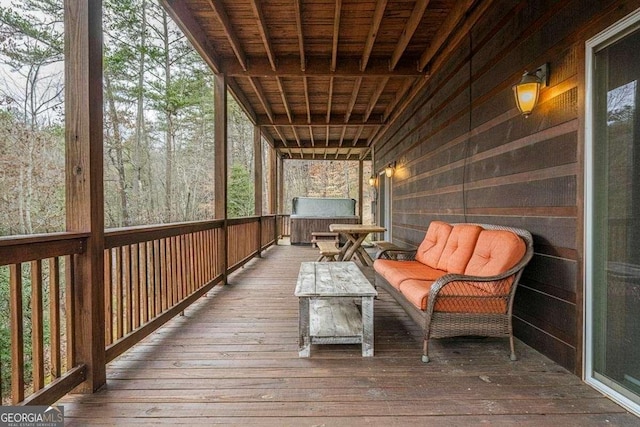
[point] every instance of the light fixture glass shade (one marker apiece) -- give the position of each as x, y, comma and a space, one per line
389, 170
372, 181
526, 93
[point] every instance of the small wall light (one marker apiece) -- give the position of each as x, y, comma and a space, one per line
528, 89
372, 180
390, 169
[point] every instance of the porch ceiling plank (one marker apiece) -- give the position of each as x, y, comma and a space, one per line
336, 34
378, 14
183, 17
255, 84
318, 66
227, 26
284, 100
409, 29
375, 97
454, 17
298, 7
354, 98
264, 33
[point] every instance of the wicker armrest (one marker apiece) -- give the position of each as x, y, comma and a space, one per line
397, 254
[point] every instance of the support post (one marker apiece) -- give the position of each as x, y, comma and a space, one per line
257, 180
84, 183
220, 177
360, 189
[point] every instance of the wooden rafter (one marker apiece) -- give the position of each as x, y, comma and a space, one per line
336, 34
344, 131
255, 84
235, 90
316, 66
295, 135
313, 142
330, 100
374, 98
222, 16
318, 120
306, 98
405, 87
193, 31
460, 8
354, 98
357, 137
378, 13
298, 5
332, 143
284, 100
264, 33
409, 28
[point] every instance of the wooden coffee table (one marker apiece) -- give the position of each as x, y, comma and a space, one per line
328, 313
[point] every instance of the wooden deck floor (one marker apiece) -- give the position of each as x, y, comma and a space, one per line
233, 359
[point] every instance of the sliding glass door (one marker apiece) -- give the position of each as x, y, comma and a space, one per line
613, 212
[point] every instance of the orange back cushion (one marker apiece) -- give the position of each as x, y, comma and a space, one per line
433, 244
459, 248
496, 252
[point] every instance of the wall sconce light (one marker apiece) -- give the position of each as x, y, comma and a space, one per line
372, 180
390, 169
528, 89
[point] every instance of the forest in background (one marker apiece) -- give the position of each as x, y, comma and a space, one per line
158, 135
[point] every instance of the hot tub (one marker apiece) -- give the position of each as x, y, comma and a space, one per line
309, 214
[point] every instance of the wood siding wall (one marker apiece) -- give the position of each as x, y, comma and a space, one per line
465, 154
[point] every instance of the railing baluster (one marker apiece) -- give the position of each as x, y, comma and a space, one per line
119, 295
17, 336
144, 283
54, 316
37, 326
108, 298
135, 287
69, 308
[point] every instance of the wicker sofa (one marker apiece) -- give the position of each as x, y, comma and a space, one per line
460, 281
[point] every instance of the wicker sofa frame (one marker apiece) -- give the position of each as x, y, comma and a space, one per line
437, 324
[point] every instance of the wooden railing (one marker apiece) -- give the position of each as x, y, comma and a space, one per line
151, 274
41, 286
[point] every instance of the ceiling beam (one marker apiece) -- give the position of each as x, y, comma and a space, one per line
378, 14
303, 62
264, 33
183, 17
318, 120
336, 34
312, 156
317, 66
454, 17
409, 29
222, 16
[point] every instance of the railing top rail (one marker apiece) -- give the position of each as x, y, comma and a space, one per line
116, 237
24, 248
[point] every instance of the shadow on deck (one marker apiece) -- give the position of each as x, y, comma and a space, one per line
233, 359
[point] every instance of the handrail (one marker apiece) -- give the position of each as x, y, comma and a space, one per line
151, 274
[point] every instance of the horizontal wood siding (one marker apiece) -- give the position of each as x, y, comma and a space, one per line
465, 154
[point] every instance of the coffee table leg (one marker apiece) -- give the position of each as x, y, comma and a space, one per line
367, 326
304, 341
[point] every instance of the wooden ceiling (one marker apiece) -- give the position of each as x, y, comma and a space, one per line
322, 78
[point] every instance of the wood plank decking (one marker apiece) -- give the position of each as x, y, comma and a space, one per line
233, 359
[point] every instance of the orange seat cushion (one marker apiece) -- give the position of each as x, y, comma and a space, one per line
459, 248
395, 272
496, 252
456, 297
434, 242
